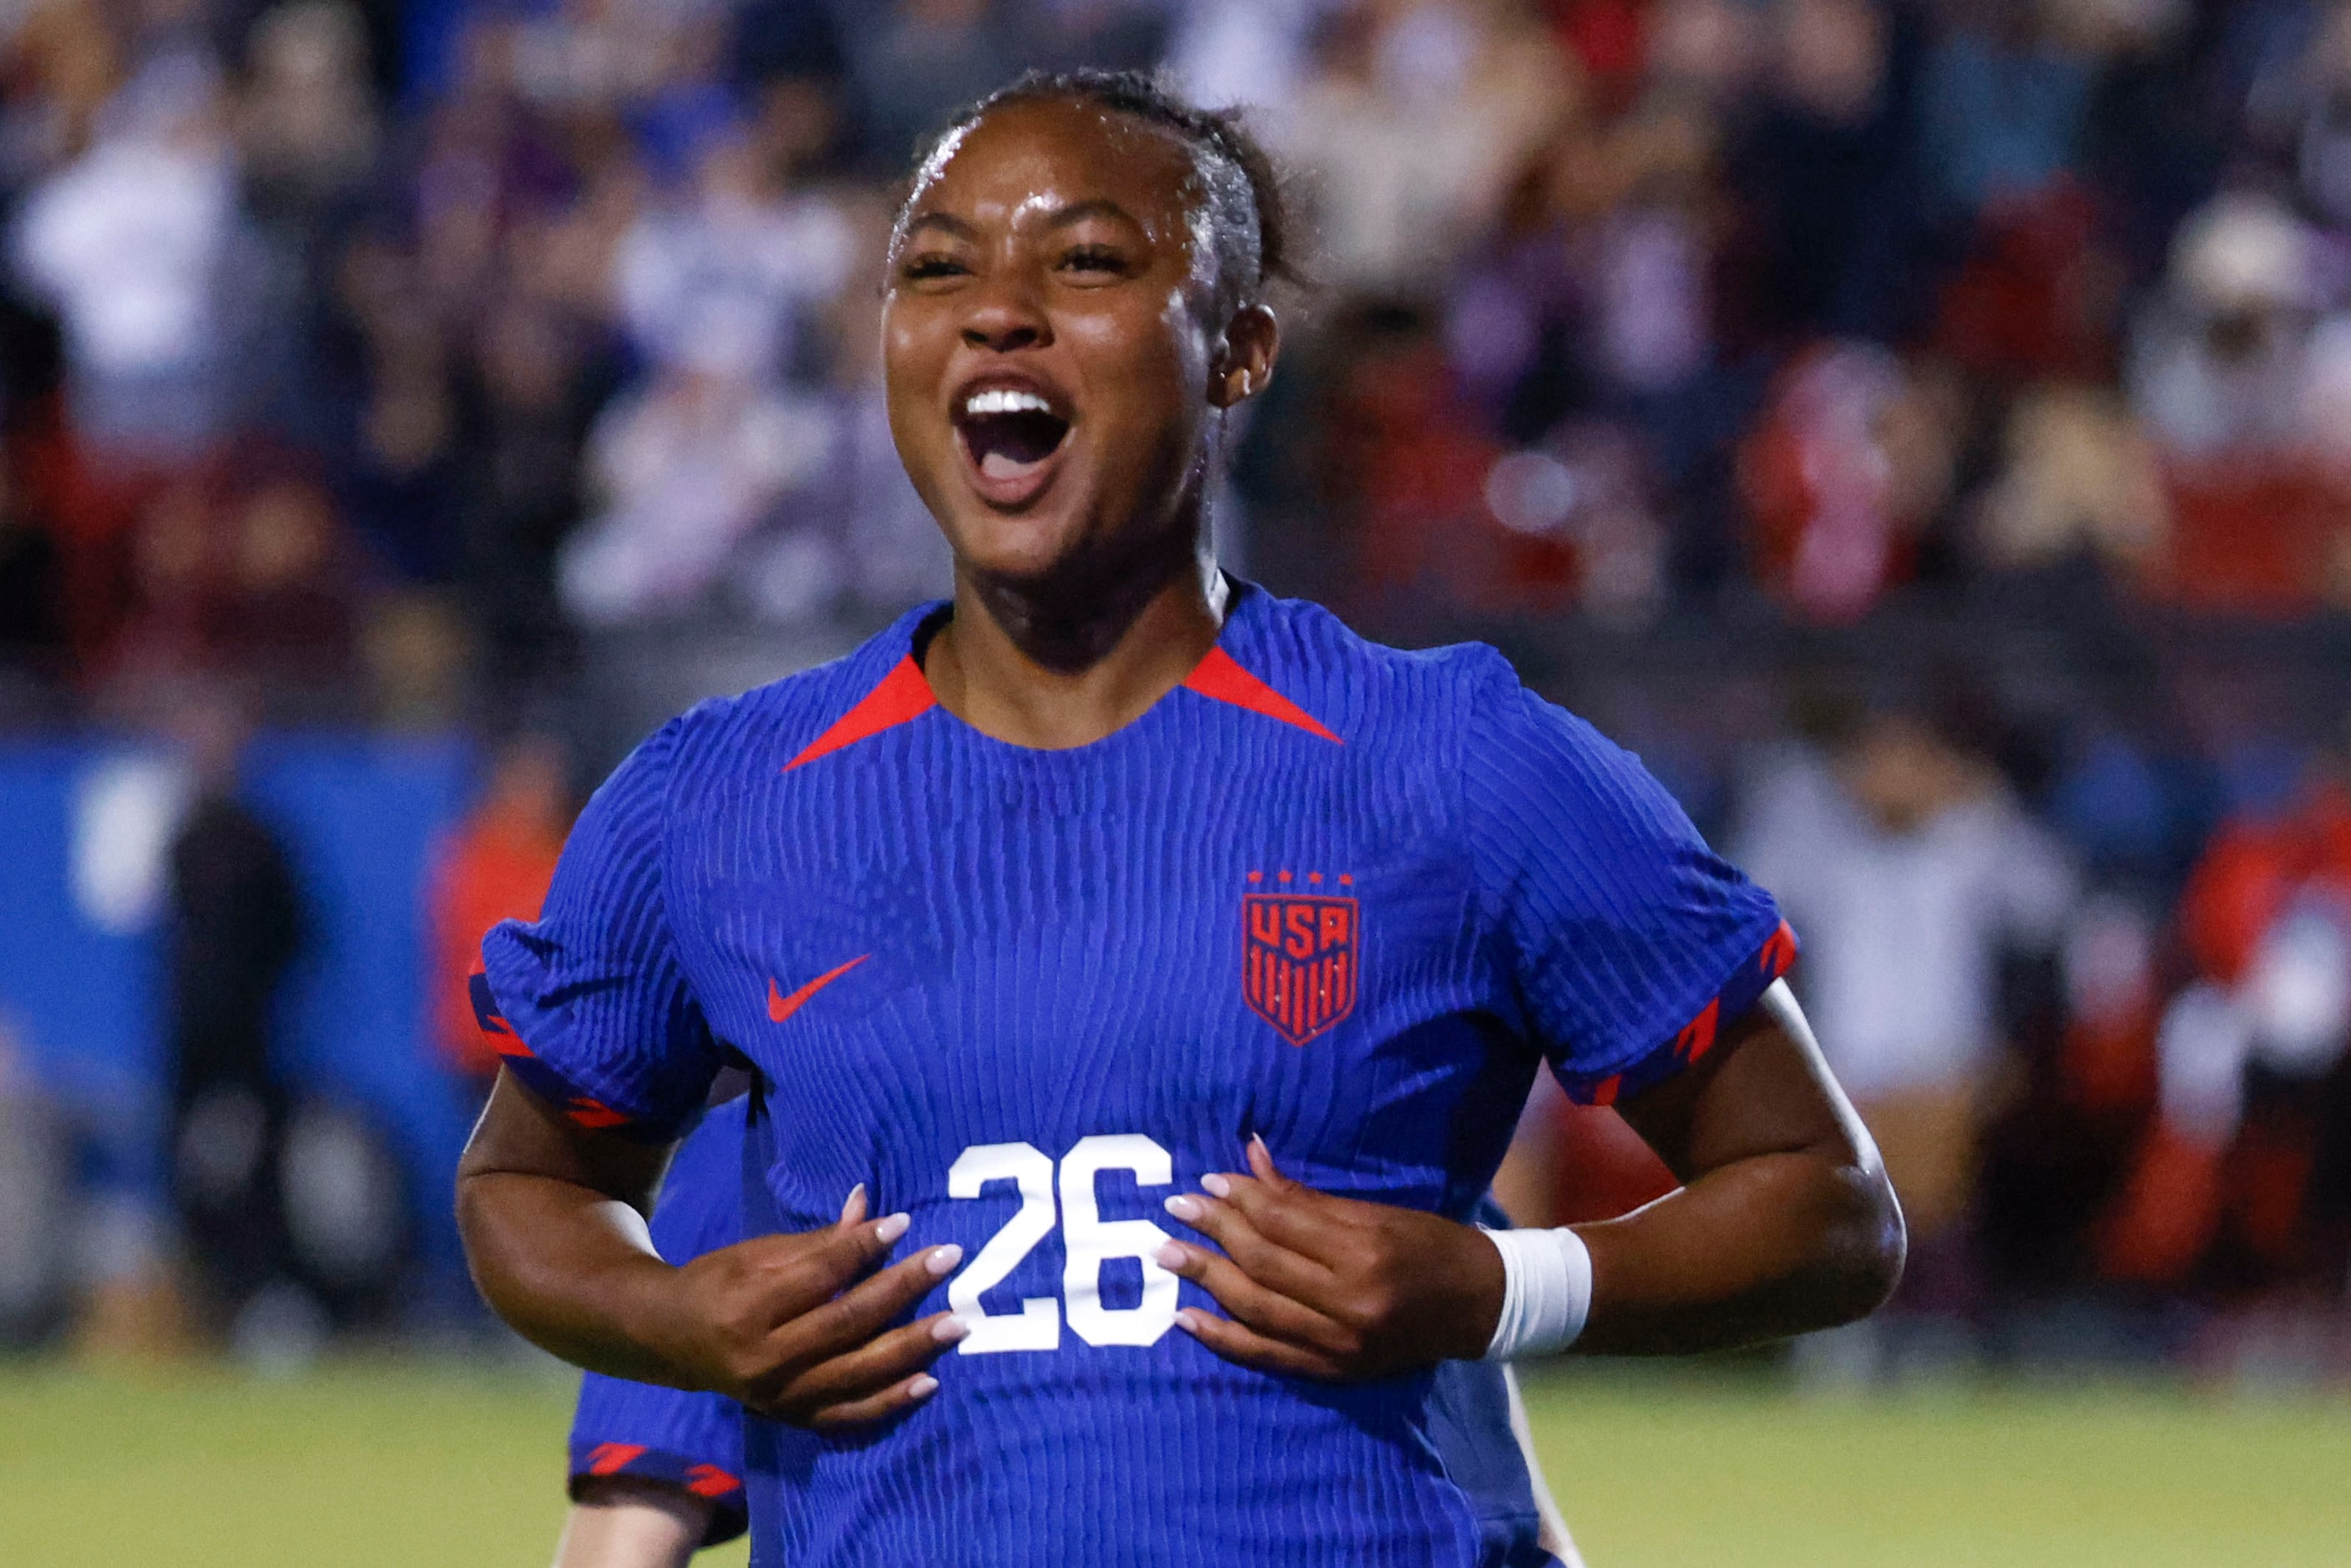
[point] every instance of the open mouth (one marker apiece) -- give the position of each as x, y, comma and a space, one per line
1011, 433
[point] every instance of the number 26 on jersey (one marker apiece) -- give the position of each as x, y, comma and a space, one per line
1089, 1241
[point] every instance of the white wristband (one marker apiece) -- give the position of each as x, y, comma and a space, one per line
1546, 1291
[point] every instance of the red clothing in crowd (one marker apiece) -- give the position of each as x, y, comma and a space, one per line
494, 866
2253, 868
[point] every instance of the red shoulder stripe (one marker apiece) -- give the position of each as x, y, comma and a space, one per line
1221, 678
607, 1459
902, 694
709, 1481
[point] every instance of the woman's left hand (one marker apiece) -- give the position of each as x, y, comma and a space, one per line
1331, 1288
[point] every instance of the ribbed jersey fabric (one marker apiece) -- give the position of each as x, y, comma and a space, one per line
1340, 896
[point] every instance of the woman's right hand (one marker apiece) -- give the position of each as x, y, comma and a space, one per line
795, 1328
784, 1325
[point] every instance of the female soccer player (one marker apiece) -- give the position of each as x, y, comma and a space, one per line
1053, 907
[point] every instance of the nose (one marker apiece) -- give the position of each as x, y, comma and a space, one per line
1006, 315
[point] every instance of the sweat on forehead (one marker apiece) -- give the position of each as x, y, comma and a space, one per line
1218, 197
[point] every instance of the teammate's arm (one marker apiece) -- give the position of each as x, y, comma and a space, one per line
621, 1523
1554, 1536
552, 1216
1785, 1223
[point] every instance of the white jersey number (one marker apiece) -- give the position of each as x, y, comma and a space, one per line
1089, 1241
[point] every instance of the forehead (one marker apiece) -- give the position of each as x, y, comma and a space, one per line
1055, 154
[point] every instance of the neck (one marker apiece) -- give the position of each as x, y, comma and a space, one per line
1056, 666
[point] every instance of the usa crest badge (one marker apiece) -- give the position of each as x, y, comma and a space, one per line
1299, 958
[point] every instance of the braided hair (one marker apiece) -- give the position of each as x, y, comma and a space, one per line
1247, 215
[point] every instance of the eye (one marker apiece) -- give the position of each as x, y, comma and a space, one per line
923, 269
1096, 260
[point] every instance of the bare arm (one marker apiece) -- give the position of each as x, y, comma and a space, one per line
795, 1327
621, 1523
1785, 1223
553, 1220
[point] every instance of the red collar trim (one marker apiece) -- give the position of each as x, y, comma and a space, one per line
1220, 677
904, 694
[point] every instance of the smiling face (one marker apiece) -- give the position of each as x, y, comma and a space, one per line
1053, 343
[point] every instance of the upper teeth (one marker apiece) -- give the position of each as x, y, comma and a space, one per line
1003, 400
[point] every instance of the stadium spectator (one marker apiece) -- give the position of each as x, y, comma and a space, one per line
2221, 371
307, 139
1410, 127
2241, 1175
493, 865
233, 927
1912, 872
683, 470
132, 244
33, 1201
524, 406
735, 258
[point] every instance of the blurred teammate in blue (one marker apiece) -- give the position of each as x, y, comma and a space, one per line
656, 1473
1116, 892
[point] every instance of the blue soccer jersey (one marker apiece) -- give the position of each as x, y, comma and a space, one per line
1341, 896
696, 1441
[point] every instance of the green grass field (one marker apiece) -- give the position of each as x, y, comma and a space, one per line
456, 1465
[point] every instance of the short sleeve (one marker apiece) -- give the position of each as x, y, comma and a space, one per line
1628, 941
589, 1005
690, 1441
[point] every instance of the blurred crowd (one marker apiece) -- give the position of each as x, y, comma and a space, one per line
384, 355
419, 366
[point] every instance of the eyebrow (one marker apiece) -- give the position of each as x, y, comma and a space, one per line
947, 221
1075, 213
1098, 208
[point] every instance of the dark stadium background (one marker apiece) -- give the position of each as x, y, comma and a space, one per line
1921, 428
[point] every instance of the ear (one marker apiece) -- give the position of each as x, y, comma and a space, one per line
1244, 367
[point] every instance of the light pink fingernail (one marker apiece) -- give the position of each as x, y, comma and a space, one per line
922, 1388
1183, 1322
892, 1228
853, 1205
1217, 1186
1184, 1209
1169, 1257
950, 1330
943, 1259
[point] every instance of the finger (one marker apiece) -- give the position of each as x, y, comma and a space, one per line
1314, 1224
806, 1269
881, 1407
1293, 1273
853, 1209
875, 1367
1269, 1313
1240, 1343
1261, 1160
863, 1312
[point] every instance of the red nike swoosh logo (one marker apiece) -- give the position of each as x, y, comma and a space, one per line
782, 1007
